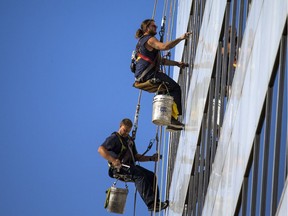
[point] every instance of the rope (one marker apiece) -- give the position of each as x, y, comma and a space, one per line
135, 196
135, 124
167, 55
162, 165
167, 166
169, 24
171, 20
158, 144
154, 10
155, 169
165, 8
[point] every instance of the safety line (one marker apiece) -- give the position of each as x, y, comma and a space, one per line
171, 20
156, 167
135, 124
165, 8
158, 144
167, 166
155, 183
162, 165
154, 10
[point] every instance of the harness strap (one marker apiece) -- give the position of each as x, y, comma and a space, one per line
156, 60
128, 145
145, 58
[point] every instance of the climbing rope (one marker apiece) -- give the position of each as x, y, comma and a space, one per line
156, 165
137, 112
162, 164
159, 143
167, 165
170, 20
154, 9
135, 123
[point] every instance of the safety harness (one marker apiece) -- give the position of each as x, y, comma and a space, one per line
113, 172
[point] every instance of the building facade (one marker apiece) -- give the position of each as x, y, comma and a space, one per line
232, 157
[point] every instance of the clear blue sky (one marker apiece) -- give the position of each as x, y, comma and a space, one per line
65, 84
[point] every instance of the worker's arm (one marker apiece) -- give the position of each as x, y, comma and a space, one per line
143, 158
156, 44
174, 63
105, 154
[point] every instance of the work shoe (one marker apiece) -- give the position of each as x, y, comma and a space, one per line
173, 129
159, 206
176, 124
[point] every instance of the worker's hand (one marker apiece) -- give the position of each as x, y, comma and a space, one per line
185, 36
116, 164
154, 157
182, 65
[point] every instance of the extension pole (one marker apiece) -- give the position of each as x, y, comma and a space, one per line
135, 124
135, 127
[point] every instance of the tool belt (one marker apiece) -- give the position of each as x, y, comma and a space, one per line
122, 174
150, 85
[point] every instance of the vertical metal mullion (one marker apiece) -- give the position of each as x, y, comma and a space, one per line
248, 7
246, 11
192, 192
286, 175
185, 210
190, 196
244, 195
216, 100
190, 49
212, 139
199, 13
196, 166
204, 5
202, 10
256, 150
207, 155
201, 171
184, 73
286, 166
240, 27
197, 18
224, 65
278, 128
186, 69
266, 149
285, 39
232, 46
212, 86
194, 35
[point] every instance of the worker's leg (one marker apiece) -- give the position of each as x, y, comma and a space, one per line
144, 180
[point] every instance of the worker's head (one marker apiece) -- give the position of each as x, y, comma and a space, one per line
125, 127
147, 26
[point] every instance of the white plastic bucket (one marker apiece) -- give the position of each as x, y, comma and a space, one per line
162, 109
117, 200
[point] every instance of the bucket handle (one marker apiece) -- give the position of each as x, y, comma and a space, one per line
159, 87
114, 184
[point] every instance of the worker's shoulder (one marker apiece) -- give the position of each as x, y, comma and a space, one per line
112, 136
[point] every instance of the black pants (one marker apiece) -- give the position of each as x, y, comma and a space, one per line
144, 180
173, 87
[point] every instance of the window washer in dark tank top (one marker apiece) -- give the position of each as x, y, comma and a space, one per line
149, 51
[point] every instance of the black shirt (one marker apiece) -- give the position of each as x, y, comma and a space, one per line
117, 146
